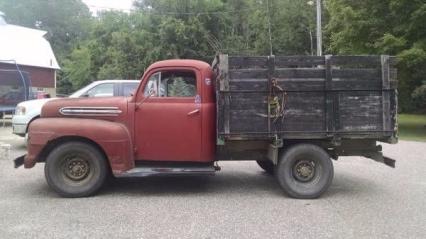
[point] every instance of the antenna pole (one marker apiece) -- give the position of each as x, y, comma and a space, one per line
269, 28
319, 29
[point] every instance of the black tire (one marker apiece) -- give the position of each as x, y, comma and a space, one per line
305, 171
266, 165
75, 169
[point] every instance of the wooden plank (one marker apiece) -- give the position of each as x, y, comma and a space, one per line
220, 104
248, 73
294, 84
224, 86
336, 111
304, 111
245, 62
248, 101
356, 84
298, 61
362, 73
385, 72
359, 61
249, 120
386, 94
271, 69
328, 103
360, 111
288, 84
252, 84
299, 73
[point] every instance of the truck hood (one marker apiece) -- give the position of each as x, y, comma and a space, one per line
38, 103
108, 108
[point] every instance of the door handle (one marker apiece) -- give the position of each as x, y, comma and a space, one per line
194, 112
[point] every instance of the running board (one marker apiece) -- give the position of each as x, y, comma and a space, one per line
146, 171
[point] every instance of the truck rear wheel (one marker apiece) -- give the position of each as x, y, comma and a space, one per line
266, 165
75, 169
305, 171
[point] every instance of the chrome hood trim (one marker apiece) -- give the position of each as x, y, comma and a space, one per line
90, 111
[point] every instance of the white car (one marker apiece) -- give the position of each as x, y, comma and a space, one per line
30, 110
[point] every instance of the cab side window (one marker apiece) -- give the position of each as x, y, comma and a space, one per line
129, 88
172, 84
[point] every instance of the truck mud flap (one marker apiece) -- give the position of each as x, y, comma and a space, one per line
379, 157
19, 161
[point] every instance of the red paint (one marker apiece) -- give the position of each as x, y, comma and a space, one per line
114, 138
154, 128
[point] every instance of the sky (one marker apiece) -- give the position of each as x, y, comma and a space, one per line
96, 5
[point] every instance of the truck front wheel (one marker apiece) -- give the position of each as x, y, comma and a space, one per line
75, 169
305, 171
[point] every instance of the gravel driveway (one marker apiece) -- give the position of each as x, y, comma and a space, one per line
366, 200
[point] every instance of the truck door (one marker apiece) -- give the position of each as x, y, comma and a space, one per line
168, 121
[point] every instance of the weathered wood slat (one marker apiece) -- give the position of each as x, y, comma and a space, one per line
291, 84
244, 62
386, 72
363, 74
248, 73
329, 100
224, 86
248, 120
360, 111
299, 73
248, 101
248, 84
355, 84
298, 61
360, 61
308, 84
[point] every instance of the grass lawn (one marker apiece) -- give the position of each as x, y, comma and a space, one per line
412, 127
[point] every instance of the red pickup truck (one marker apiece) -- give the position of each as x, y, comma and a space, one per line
290, 114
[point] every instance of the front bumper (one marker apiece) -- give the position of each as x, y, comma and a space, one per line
19, 161
20, 124
19, 129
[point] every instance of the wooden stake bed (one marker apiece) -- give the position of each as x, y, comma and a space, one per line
327, 97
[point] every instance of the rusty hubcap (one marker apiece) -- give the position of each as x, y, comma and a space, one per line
76, 168
304, 170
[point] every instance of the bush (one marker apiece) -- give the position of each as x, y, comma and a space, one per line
419, 98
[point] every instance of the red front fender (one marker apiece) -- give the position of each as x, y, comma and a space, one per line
112, 137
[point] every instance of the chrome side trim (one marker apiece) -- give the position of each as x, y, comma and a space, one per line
90, 111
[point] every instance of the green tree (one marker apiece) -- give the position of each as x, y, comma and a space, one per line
77, 68
393, 27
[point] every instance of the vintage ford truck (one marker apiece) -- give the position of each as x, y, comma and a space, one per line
291, 114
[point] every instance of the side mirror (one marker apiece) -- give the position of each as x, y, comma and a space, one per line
85, 95
151, 92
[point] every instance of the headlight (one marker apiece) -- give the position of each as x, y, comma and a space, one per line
20, 110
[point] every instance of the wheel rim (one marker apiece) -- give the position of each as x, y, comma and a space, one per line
76, 167
304, 170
